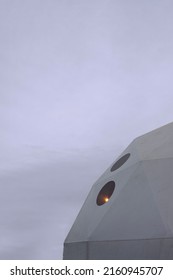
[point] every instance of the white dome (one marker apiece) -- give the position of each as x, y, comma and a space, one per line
133, 219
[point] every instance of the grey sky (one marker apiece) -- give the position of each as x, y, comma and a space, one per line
78, 81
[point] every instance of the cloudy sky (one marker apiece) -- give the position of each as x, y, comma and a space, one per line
79, 80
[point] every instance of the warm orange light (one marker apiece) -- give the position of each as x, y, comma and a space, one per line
106, 199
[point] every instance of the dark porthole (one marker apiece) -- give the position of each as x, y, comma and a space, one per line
105, 193
120, 162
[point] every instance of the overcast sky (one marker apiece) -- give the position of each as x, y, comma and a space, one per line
79, 80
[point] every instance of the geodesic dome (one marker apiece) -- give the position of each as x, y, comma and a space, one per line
128, 213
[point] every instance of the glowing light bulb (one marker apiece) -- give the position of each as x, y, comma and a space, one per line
106, 199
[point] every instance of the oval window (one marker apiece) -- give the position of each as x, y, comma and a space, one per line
120, 162
105, 193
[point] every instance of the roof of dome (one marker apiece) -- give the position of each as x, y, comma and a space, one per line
140, 206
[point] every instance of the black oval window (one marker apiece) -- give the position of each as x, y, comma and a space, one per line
120, 162
105, 193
